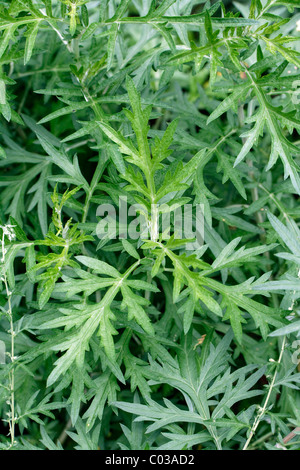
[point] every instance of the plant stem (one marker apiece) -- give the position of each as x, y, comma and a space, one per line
291, 436
261, 439
262, 410
11, 377
12, 420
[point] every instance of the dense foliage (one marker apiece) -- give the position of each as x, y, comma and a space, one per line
149, 342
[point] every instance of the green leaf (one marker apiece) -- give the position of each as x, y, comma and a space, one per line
130, 248
98, 266
31, 34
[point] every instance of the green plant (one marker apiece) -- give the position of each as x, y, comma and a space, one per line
183, 312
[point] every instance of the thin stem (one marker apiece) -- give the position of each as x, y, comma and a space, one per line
11, 377
12, 420
266, 8
42, 71
73, 49
262, 410
262, 439
291, 435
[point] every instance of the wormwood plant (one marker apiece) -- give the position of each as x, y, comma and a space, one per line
120, 327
